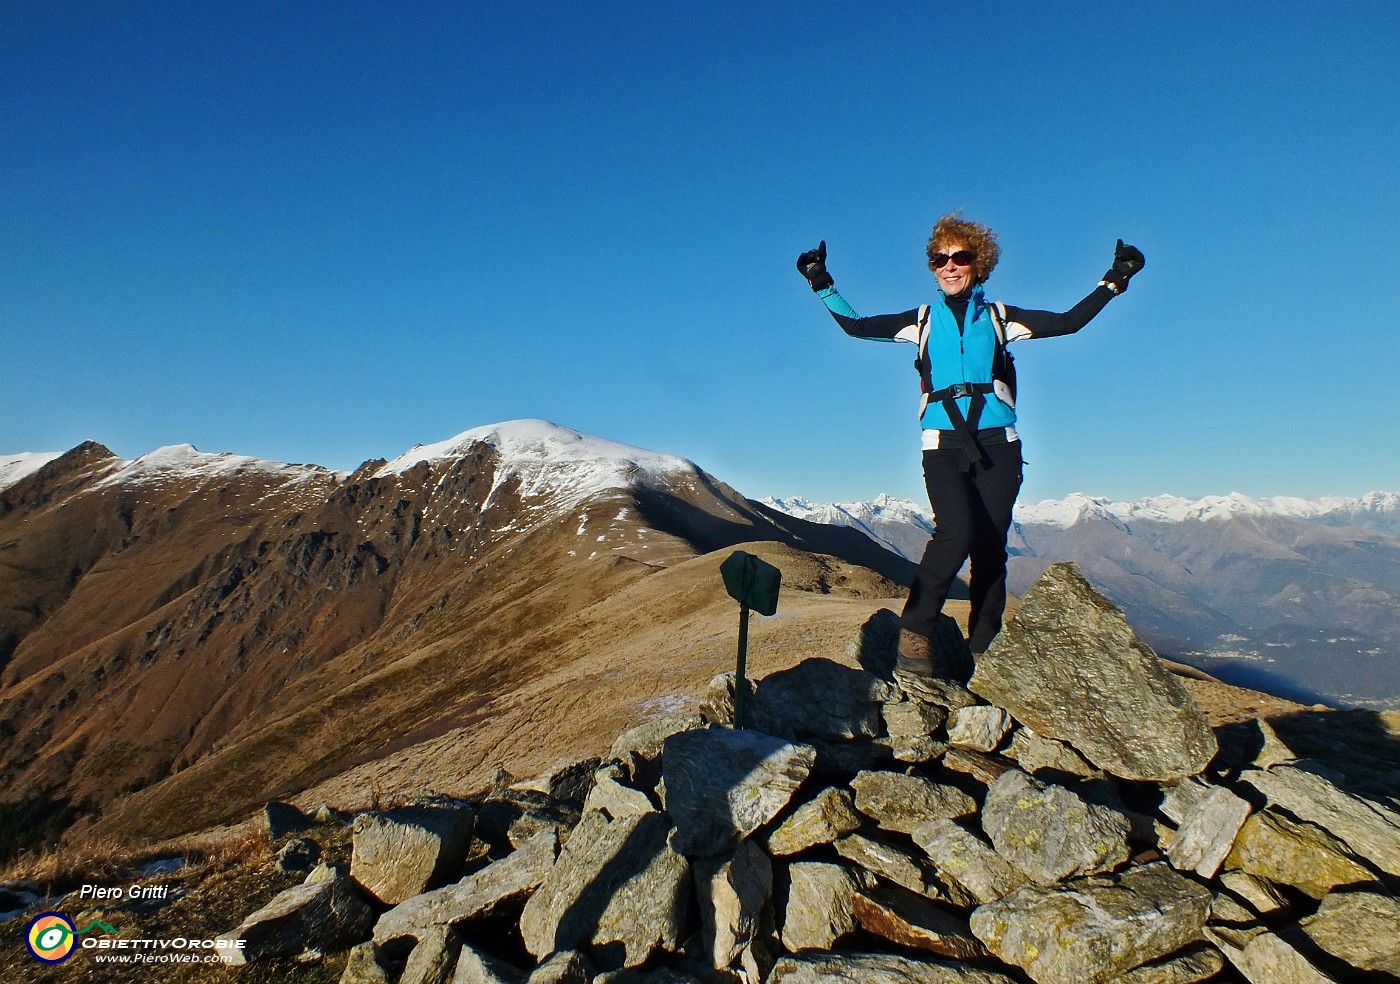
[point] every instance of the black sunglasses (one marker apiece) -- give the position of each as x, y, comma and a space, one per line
963, 257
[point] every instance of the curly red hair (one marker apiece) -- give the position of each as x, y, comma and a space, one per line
952, 230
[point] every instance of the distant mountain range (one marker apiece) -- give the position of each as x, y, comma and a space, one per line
1299, 597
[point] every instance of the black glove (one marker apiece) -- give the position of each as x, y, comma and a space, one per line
812, 265
1127, 260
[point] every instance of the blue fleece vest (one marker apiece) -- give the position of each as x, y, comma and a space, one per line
963, 357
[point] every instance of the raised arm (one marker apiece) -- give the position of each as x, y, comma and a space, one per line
1024, 323
881, 327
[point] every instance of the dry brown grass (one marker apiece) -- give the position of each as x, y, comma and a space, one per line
101, 861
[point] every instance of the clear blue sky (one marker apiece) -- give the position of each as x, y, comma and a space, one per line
327, 232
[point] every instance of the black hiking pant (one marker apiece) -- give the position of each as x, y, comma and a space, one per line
971, 516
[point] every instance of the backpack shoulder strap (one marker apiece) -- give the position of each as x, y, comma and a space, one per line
921, 360
998, 312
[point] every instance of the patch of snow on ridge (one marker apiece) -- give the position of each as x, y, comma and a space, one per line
14, 467
553, 462
178, 461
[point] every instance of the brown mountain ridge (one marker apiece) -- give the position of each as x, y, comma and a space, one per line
187, 635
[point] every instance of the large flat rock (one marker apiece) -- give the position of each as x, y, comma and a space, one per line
618, 890
720, 785
876, 968
1069, 666
1095, 930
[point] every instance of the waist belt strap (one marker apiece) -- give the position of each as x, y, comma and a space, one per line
965, 427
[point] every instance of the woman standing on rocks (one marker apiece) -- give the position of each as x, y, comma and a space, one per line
971, 452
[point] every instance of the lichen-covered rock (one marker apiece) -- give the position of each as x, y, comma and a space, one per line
1046, 758
611, 795
478, 896
1263, 957
910, 726
298, 854
821, 820
569, 784
821, 904
569, 967
1369, 828
319, 917
476, 967
938, 691
1288, 853
890, 861
616, 882
364, 964
434, 958
961, 858
735, 902
1261, 896
510, 817
911, 920
980, 727
1208, 819
1097, 929
656, 975
1199, 962
323, 872
876, 968
1362, 928
1069, 666
717, 706
1049, 833
398, 854
758, 959
647, 739
984, 767
720, 786
900, 803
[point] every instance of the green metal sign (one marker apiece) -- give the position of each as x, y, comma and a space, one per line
754, 584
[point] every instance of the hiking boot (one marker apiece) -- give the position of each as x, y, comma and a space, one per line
918, 674
915, 654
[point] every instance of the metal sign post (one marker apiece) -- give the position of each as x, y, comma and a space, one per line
754, 584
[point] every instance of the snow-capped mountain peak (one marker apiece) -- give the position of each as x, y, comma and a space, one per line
1064, 513
552, 461
900, 525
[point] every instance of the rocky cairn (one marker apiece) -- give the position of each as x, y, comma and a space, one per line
1066, 818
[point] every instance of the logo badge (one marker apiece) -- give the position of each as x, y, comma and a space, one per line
52, 938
